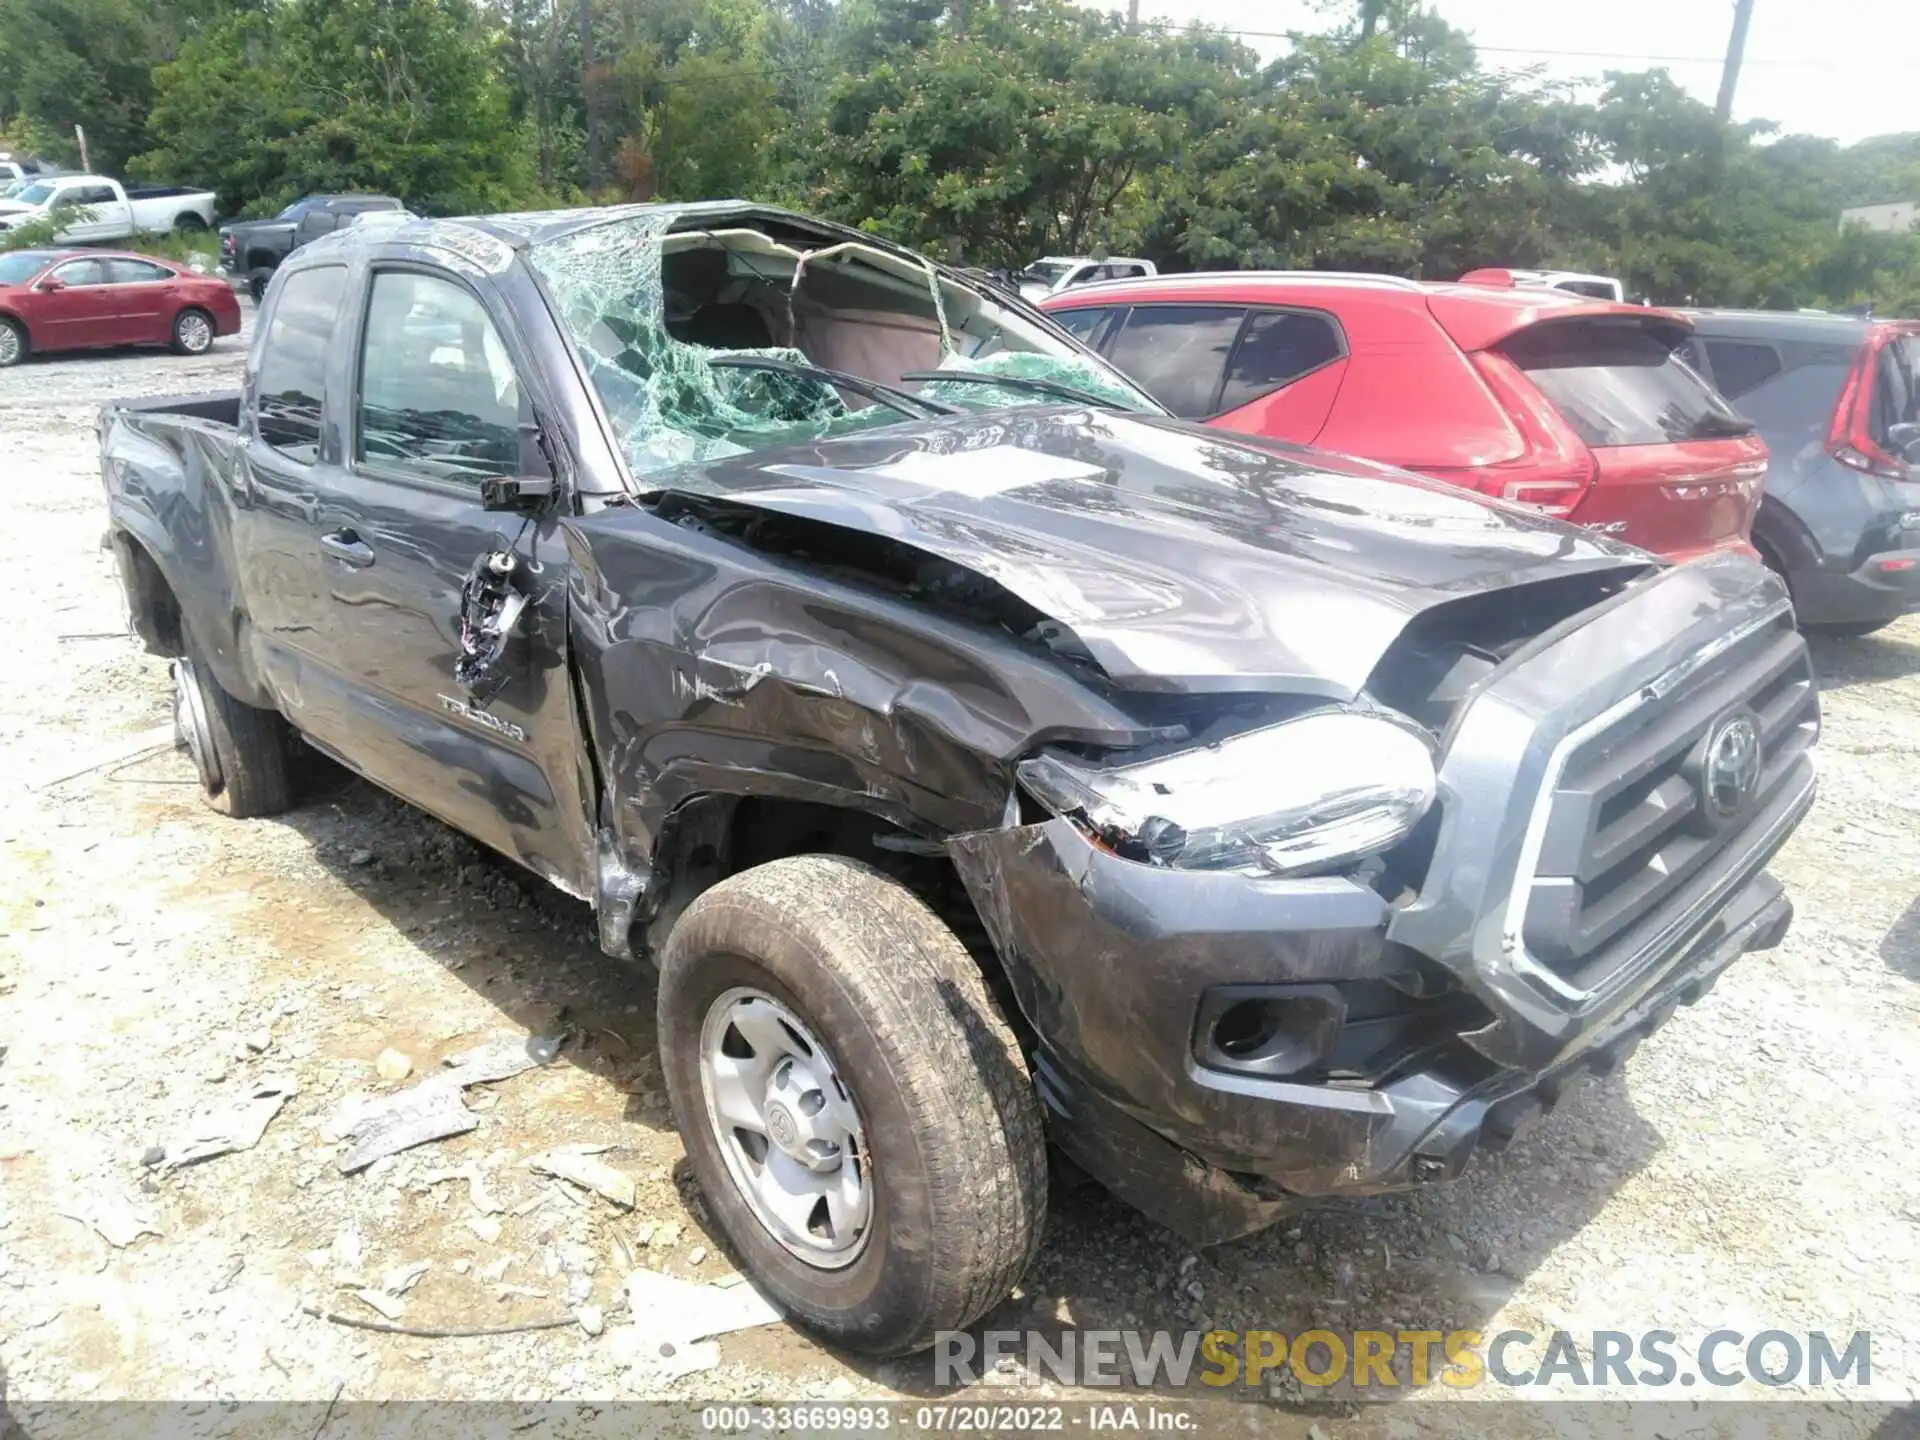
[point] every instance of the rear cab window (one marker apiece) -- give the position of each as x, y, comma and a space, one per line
291, 386
1619, 383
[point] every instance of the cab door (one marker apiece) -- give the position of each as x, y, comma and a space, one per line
435, 404
76, 307
142, 300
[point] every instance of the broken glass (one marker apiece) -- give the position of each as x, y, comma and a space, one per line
652, 309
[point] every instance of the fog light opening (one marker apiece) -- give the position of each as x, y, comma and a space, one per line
1245, 1029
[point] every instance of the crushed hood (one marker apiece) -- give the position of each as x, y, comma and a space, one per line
1184, 560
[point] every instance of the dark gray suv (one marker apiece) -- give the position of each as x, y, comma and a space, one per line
1837, 399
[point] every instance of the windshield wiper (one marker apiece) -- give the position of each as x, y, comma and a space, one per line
1713, 426
881, 394
1020, 382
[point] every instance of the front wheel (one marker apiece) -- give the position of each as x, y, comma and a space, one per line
13, 343
192, 332
855, 1110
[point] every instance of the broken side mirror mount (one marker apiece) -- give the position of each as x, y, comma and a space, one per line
525, 494
533, 489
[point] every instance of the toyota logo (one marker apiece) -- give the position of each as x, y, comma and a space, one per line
1730, 775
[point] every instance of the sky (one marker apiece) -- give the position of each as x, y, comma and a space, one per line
1845, 69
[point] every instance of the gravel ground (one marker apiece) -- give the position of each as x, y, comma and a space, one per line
1744, 1170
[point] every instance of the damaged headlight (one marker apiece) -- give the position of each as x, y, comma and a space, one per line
1289, 799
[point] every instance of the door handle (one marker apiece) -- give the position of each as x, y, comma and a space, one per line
349, 547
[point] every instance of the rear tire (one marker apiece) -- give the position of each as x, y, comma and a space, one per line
892, 1010
14, 346
244, 756
188, 222
193, 332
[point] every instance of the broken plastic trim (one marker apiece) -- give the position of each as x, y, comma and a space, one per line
1289, 799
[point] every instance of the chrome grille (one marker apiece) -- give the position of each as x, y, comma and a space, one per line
1627, 826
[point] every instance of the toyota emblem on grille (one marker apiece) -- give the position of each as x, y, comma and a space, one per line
1731, 774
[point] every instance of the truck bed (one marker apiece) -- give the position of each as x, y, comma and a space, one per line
219, 407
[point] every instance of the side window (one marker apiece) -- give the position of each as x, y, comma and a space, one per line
1277, 348
438, 393
135, 272
1741, 365
1897, 387
292, 382
96, 195
82, 272
65, 199
1084, 325
1177, 353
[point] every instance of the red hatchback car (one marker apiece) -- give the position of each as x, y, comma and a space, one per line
1580, 407
84, 299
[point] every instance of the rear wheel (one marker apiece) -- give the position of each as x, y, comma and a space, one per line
13, 342
192, 332
857, 1113
244, 756
189, 222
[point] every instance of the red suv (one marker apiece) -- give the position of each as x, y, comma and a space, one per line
1582, 408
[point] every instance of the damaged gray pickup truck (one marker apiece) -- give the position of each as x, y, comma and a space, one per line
982, 756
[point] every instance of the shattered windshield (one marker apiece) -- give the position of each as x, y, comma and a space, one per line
651, 313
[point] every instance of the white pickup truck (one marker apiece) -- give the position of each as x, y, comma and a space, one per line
104, 209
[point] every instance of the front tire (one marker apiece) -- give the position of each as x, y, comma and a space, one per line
244, 756
193, 332
822, 1031
13, 343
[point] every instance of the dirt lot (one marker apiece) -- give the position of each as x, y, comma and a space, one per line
1752, 1167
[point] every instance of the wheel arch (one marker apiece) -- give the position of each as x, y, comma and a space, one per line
717, 834
153, 608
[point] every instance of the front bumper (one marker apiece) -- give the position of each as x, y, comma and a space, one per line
1490, 1003
1109, 959
1886, 587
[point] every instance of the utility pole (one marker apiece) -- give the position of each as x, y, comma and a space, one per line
1133, 16
588, 84
1730, 72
